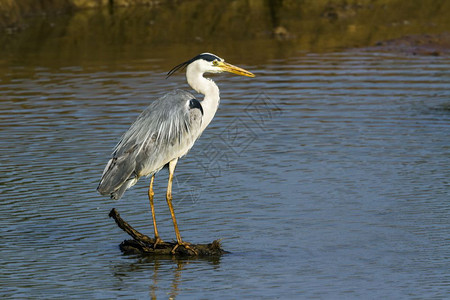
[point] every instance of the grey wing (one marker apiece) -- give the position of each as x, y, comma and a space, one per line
166, 130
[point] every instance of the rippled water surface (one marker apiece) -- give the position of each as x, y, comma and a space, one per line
327, 175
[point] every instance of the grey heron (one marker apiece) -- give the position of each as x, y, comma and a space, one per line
165, 131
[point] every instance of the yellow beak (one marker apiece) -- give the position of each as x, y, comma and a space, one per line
233, 69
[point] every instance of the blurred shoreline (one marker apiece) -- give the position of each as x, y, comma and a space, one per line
254, 30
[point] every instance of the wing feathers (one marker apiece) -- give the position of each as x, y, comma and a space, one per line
163, 131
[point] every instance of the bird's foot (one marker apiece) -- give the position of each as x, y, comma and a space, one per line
186, 246
158, 240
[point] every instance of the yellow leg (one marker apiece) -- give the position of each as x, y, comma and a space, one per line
152, 207
172, 165
180, 242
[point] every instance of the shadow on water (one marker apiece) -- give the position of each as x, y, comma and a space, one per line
164, 273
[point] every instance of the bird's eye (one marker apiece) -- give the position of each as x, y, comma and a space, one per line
215, 63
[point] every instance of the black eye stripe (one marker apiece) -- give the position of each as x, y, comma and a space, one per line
205, 56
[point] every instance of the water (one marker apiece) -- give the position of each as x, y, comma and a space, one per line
326, 176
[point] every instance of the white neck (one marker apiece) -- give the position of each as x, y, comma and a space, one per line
207, 87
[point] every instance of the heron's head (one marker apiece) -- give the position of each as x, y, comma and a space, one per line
210, 63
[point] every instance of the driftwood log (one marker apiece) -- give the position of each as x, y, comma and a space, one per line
142, 244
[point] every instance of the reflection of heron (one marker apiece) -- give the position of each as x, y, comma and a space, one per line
164, 132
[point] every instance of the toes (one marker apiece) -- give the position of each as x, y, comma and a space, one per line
186, 246
174, 248
157, 241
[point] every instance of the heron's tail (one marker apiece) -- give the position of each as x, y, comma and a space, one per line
117, 177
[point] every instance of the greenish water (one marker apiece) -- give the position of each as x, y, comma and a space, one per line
326, 175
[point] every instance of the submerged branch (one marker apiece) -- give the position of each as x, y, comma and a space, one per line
142, 244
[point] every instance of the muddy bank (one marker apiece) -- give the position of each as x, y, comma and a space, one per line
419, 44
